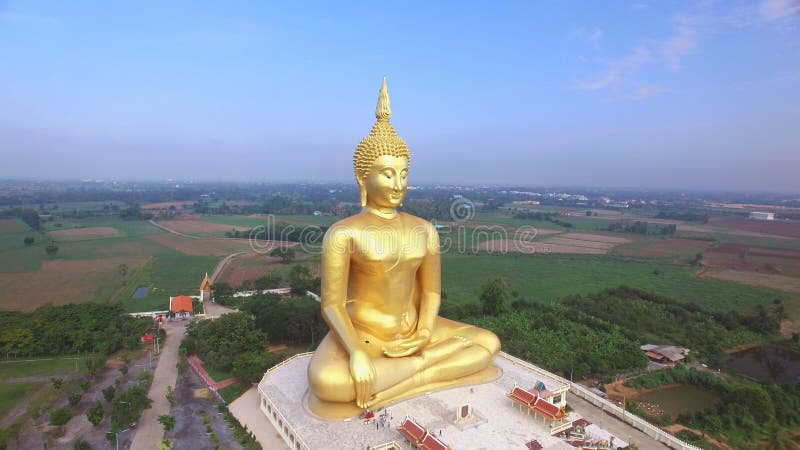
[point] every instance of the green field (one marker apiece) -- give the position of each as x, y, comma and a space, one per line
15, 256
546, 278
250, 221
11, 393
42, 367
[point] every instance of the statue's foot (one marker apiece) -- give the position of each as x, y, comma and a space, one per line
391, 396
444, 349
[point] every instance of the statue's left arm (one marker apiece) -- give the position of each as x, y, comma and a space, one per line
429, 277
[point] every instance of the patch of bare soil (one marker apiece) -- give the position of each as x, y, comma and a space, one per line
61, 281
38, 433
196, 415
767, 280
85, 232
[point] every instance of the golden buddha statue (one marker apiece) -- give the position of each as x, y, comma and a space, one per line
381, 288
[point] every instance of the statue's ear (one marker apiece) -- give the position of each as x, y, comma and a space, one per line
363, 191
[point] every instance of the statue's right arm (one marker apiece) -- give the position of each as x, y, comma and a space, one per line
336, 250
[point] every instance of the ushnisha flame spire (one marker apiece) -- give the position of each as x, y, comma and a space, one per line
383, 111
382, 139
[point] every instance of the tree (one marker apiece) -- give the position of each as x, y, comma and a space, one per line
269, 280
286, 254
74, 398
60, 417
167, 421
301, 281
28, 241
51, 249
222, 289
81, 445
108, 393
252, 365
95, 414
170, 396
494, 295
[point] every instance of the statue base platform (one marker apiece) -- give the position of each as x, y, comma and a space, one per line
348, 411
497, 422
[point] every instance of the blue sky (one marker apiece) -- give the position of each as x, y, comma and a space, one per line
658, 94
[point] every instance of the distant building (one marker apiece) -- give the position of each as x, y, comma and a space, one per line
181, 306
665, 354
205, 289
762, 215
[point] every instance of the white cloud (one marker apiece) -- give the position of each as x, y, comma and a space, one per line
644, 91
29, 19
616, 71
590, 35
771, 10
680, 44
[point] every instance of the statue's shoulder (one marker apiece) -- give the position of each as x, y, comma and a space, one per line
416, 221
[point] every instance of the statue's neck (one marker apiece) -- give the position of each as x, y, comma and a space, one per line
383, 213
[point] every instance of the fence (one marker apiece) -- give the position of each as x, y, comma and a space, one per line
204, 376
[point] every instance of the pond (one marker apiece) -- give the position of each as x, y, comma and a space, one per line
140, 292
685, 398
766, 364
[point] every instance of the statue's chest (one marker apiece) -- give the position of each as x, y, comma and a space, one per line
387, 246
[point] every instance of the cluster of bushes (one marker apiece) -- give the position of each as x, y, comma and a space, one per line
295, 320
686, 216
69, 329
230, 344
541, 216
640, 227
679, 374
652, 317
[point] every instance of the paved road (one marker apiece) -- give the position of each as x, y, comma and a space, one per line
148, 431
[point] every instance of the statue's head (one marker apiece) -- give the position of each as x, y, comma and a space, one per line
381, 160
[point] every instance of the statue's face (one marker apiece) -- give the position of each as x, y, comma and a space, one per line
387, 181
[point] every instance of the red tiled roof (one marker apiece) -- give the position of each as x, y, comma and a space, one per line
180, 303
411, 430
522, 396
431, 442
548, 409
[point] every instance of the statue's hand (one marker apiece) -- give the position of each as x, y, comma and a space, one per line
363, 373
409, 345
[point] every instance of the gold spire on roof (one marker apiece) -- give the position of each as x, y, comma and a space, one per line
206, 283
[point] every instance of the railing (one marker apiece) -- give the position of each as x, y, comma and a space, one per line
286, 424
631, 419
205, 377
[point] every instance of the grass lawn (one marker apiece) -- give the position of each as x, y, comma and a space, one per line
12, 393
234, 391
250, 221
546, 278
217, 375
43, 367
125, 227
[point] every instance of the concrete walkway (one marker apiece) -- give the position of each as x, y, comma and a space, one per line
247, 412
148, 431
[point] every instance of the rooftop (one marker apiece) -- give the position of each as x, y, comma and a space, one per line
503, 425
